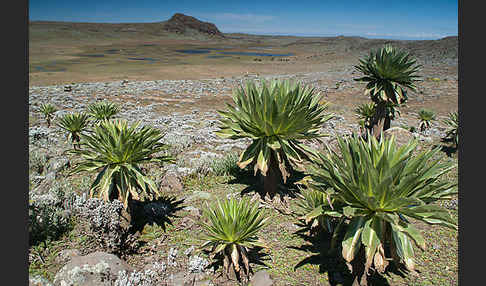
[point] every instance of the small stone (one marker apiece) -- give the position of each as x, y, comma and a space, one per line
261, 278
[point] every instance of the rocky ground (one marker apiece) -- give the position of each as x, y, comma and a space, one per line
186, 111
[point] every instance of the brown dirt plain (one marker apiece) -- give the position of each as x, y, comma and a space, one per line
63, 53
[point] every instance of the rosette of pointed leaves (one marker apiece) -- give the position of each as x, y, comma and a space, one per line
375, 186
388, 71
48, 110
311, 207
365, 112
277, 116
425, 116
115, 150
231, 228
74, 124
453, 124
102, 110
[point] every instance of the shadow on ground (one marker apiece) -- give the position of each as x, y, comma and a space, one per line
318, 246
159, 211
256, 256
255, 184
449, 148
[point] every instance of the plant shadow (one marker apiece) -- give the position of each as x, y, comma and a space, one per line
255, 184
449, 148
256, 256
331, 262
159, 212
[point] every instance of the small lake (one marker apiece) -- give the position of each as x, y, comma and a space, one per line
144, 59
48, 69
218, 51
255, 54
213, 49
216, 57
92, 55
112, 51
194, 51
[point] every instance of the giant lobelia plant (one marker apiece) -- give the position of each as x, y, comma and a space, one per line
388, 73
376, 188
426, 117
365, 113
231, 230
115, 150
277, 116
452, 132
48, 111
102, 110
74, 124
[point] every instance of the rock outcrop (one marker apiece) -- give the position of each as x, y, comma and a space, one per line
180, 23
97, 268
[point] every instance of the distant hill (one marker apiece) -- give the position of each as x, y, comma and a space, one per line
180, 23
445, 49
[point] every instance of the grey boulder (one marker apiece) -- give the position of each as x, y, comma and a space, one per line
96, 269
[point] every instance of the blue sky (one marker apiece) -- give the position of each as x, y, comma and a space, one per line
408, 19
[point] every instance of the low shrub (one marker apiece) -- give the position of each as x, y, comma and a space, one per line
48, 217
37, 162
227, 165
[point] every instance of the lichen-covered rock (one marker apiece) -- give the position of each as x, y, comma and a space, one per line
66, 255
402, 136
94, 269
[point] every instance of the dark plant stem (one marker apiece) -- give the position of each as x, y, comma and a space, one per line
381, 120
273, 178
76, 140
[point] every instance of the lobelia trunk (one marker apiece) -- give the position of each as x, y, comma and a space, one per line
387, 123
127, 215
358, 269
273, 178
76, 140
381, 120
